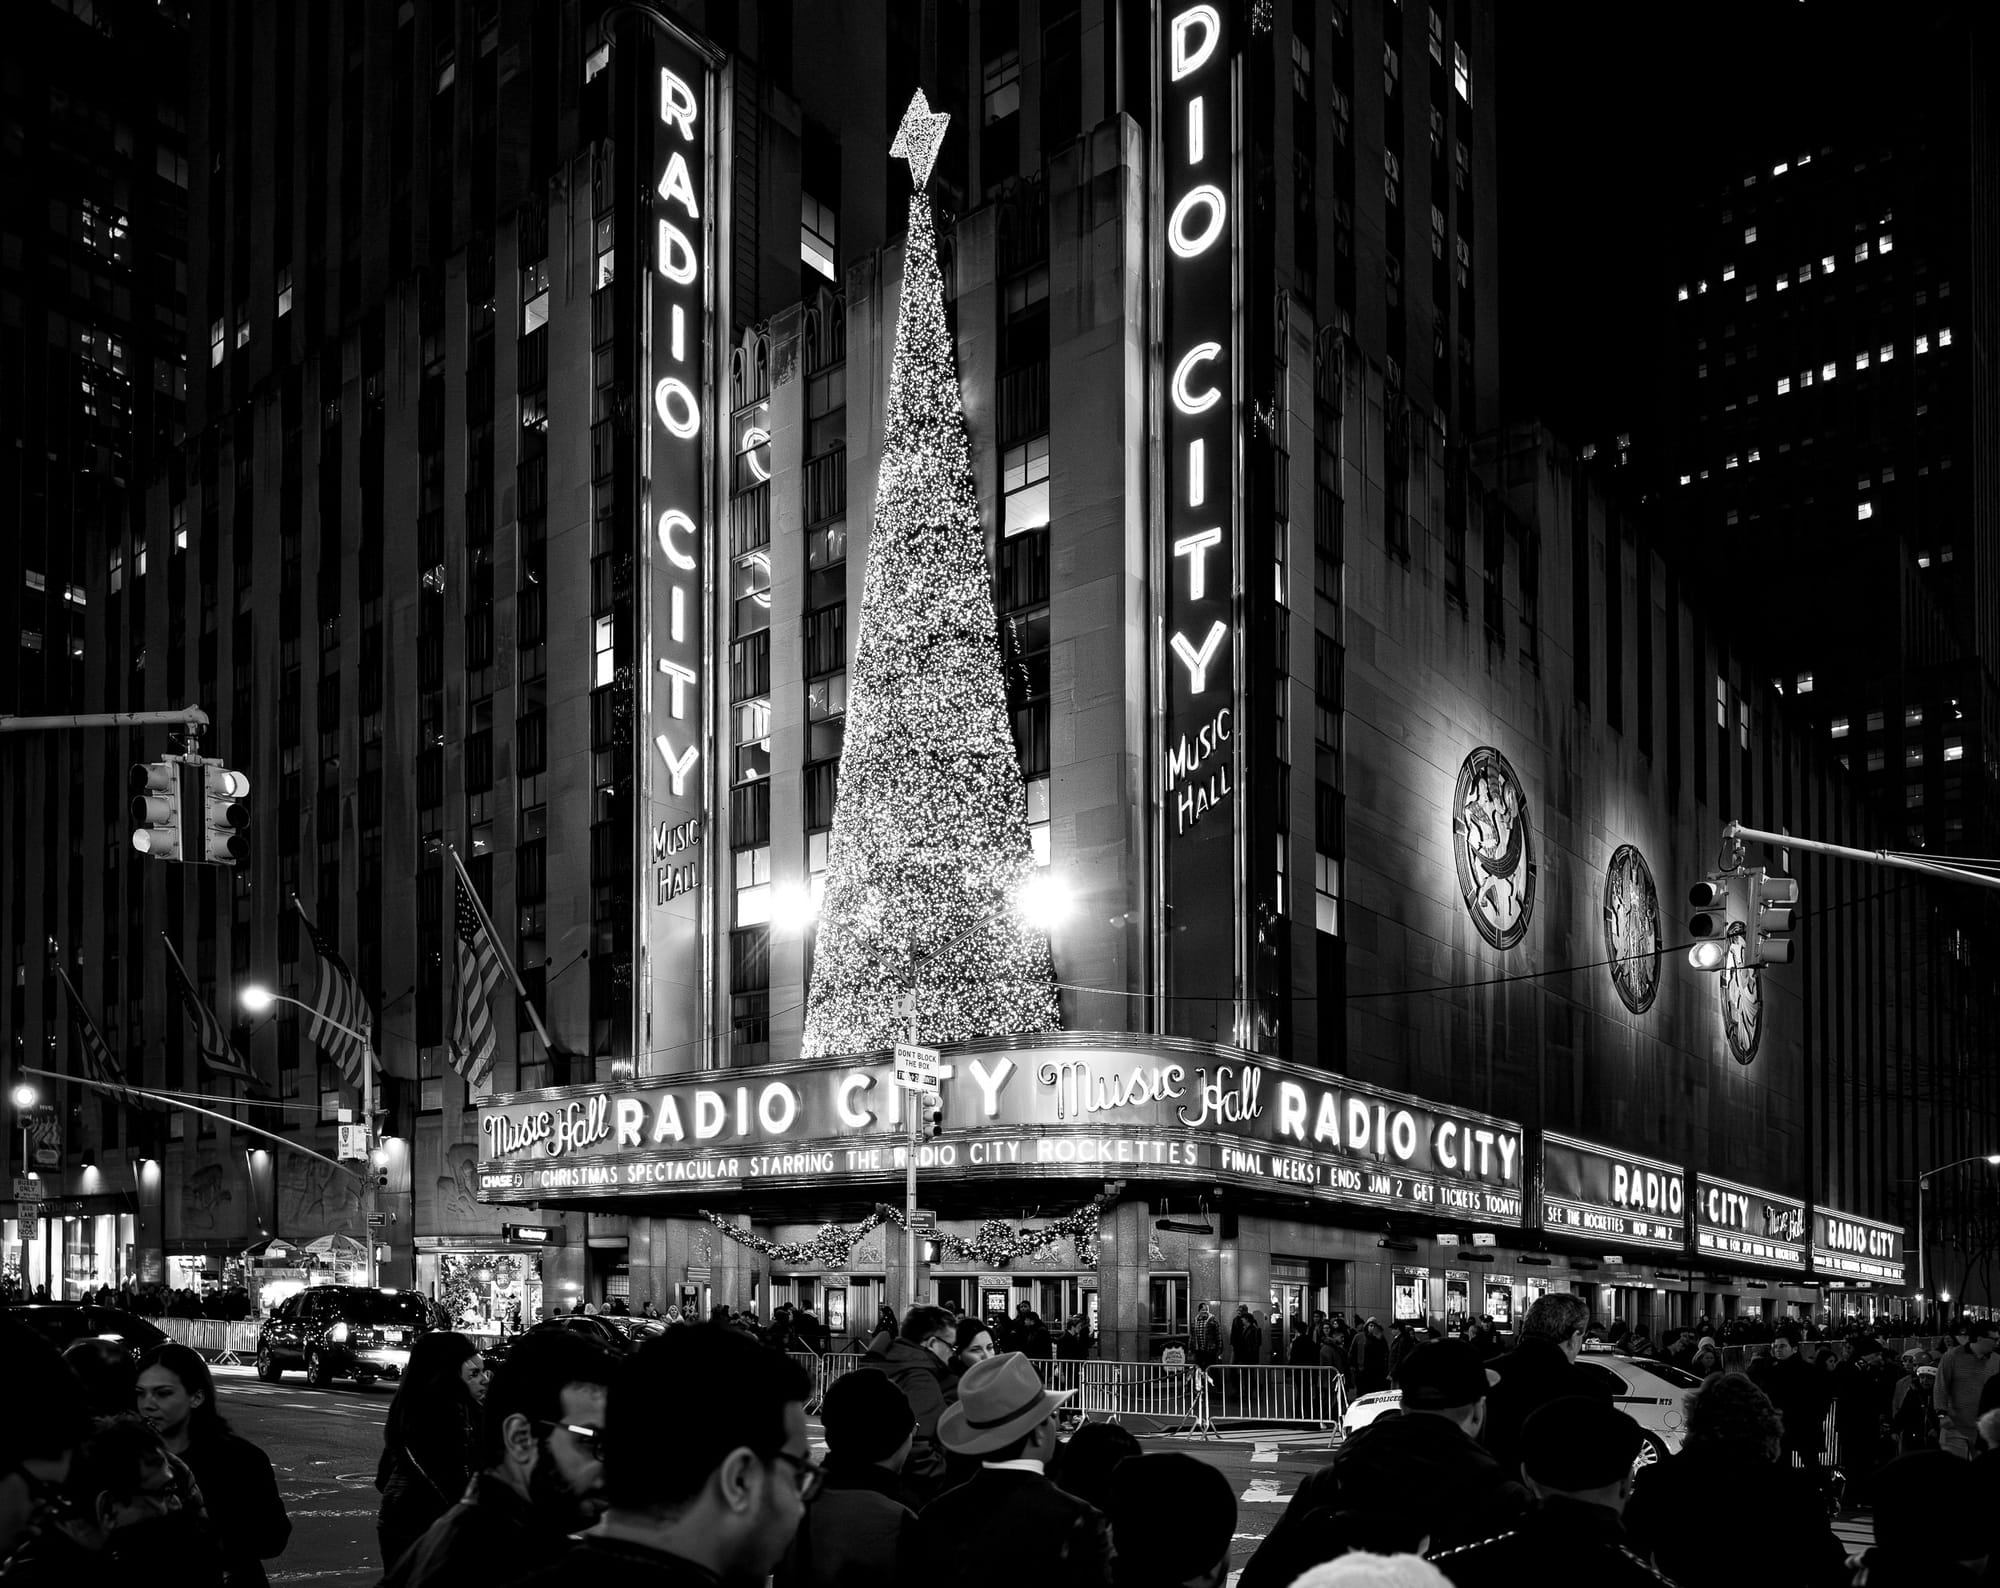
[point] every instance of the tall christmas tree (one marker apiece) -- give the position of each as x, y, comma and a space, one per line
930, 852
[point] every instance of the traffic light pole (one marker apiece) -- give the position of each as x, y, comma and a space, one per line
186, 717
1736, 832
910, 1173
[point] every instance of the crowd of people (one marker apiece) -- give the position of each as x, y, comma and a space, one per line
688, 1463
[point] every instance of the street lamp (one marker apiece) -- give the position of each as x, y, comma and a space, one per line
1923, 1180
258, 999
25, 1098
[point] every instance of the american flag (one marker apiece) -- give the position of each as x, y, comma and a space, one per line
473, 1038
217, 1051
337, 1002
479, 975
97, 1055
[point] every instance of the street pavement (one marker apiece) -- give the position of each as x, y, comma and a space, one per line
324, 1444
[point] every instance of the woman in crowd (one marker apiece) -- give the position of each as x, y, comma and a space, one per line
1774, 1526
238, 1486
429, 1439
973, 1344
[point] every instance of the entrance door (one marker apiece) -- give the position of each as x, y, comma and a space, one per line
1288, 1301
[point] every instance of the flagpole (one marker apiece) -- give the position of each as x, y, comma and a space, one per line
493, 937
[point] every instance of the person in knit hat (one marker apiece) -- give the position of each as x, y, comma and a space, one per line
854, 1533
1172, 1518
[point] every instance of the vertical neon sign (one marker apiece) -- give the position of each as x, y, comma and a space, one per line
678, 731
1197, 777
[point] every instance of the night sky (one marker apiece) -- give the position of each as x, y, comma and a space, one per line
1614, 118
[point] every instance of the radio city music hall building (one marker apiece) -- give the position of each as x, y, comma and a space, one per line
1375, 747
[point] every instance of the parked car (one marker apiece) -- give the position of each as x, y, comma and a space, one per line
1651, 1392
63, 1323
605, 1331
343, 1331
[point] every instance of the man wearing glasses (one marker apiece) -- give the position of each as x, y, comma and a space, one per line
707, 1467
542, 1473
918, 1360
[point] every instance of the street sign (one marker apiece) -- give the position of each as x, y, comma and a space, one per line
532, 1234
924, 1221
377, 1220
1485, 1238
30, 1221
353, 1146
924, 1085
26, 1190
919, 1061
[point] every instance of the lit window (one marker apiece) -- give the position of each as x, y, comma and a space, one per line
1876, 761
1701, 372
1749, 234
243, 325
1884, 244
1805, 378
753, 886
1913, 800
1683, 296
1805, 274
284, 292
1826, 264
1874, 722
1728, 272
1861, 360
1913, 716
1944, 336
74, 595
1721, 701
1730, 461
1756, 455
1686, 478
1954, 749
1923, 344
535, 410
1888, 352
1860, 253
1461, 73
605, 667
535, 296
1839, 729
1732, 515
818, 235
1923, 559
1025, 483
1826, 372
1865, 510
139, 563
1944, 554
1750, 293
216, 340
1784, 384
179, 515
607, 237
1805, 684
1701, 286
1913, 755
1780, 168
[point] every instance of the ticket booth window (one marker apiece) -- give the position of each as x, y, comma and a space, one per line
1410, 1287
1457, 1301
1500, 1303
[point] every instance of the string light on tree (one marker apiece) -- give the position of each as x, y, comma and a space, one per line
930, 851
997, 1243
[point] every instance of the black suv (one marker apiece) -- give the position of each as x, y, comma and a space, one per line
343, 1331
63, 1323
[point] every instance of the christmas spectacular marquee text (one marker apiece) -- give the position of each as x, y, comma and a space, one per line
1168, 1110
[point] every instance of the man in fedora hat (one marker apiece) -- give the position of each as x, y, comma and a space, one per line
1007, 1523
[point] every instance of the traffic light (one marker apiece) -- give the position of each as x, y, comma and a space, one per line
1714, 905
156, 807
1768, 931
223, 819
934, 1114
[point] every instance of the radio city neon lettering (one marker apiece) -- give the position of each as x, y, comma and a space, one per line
1646, 1190
1843, 1235
1729, 1210
1201, 415
1369, 1128
679, 343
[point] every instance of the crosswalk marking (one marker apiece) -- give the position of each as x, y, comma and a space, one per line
1262, 1491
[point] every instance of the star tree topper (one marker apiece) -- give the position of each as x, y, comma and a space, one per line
919, 138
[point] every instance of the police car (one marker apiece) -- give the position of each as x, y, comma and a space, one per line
1651, 1392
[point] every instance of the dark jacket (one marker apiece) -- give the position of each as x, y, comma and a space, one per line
1534, 1373
1304, 1349
490, 1536
923, 1379
241, 1493
425, 1466
1801, 1393
1884, 1568
854, 1534
1370, 1356
52, 1559
1002, 1528
1399, 1480
1861, 1391
593, 1562
1246, 1339
1558, 1540
1717, 1514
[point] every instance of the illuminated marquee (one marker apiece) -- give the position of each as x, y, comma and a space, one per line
1748, 1225
1600, 1194
1166, 1109
1847, 1246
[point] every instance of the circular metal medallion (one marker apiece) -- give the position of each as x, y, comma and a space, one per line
1495, 846
1632, 928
